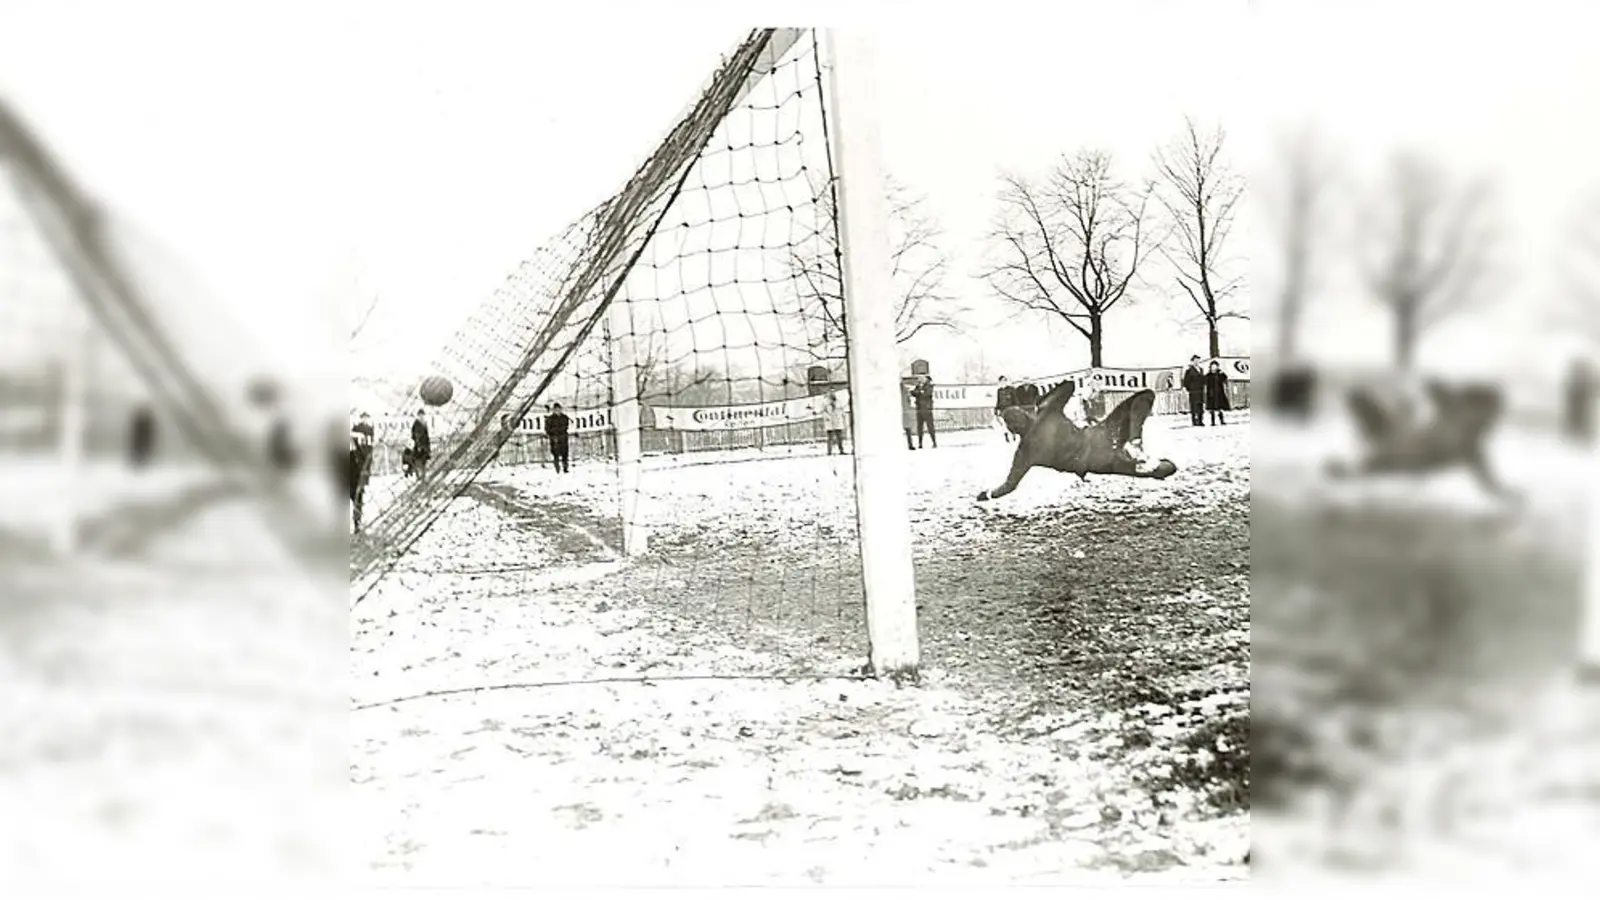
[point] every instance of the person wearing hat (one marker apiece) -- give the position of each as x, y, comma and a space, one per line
362, 438
1194, 382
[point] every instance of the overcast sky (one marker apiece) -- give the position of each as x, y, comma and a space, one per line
294, 150
296, 154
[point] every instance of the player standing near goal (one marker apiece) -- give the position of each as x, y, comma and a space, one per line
833, 422
1005, 397
556, 425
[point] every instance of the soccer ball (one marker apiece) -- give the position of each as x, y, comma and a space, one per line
436, 390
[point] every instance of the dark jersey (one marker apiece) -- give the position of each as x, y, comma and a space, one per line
1005, 397
923, 395
1027, 395
1194, 380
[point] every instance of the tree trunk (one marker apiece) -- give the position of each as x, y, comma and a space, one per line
1212, 335
1097, 336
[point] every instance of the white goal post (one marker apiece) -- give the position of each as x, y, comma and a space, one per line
882, 508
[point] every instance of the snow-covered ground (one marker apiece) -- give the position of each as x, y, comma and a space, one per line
1411, 679
529, 703
174, 716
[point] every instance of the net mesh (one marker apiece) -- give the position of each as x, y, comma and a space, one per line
679, 298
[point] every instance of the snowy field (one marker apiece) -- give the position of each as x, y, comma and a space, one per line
527, 702
170, 711
118, 511
1412, 647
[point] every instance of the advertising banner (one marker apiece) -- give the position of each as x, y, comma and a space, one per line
804, 409
749, 415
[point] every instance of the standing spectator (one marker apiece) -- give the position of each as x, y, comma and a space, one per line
1194, 381
1005, 397
359, 470
908, 409
1027, 396
549, 410
1580, 401
142, 437
421, 443
1217, 394
556, 425
834, 420
922, 394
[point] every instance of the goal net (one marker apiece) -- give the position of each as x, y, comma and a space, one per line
697, 376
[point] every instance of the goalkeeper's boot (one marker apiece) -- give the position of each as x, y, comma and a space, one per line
1142, 463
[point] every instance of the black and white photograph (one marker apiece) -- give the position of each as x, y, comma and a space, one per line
498, 446
811, 461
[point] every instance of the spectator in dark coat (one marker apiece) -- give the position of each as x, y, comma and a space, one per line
142, 437
1217, 394
1005, 397
1027, 396
556, 427
362, 438
421, 443
1194, 382
1580, 401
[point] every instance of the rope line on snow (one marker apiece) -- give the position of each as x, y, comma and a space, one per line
619, 679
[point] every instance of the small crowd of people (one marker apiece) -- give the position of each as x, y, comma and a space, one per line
414, 458
363, 443
1208, 392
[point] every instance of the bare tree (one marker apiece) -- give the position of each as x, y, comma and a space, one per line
1432, 252
1070, 246
919, 266
658, 376
1200, 191
1297, 199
